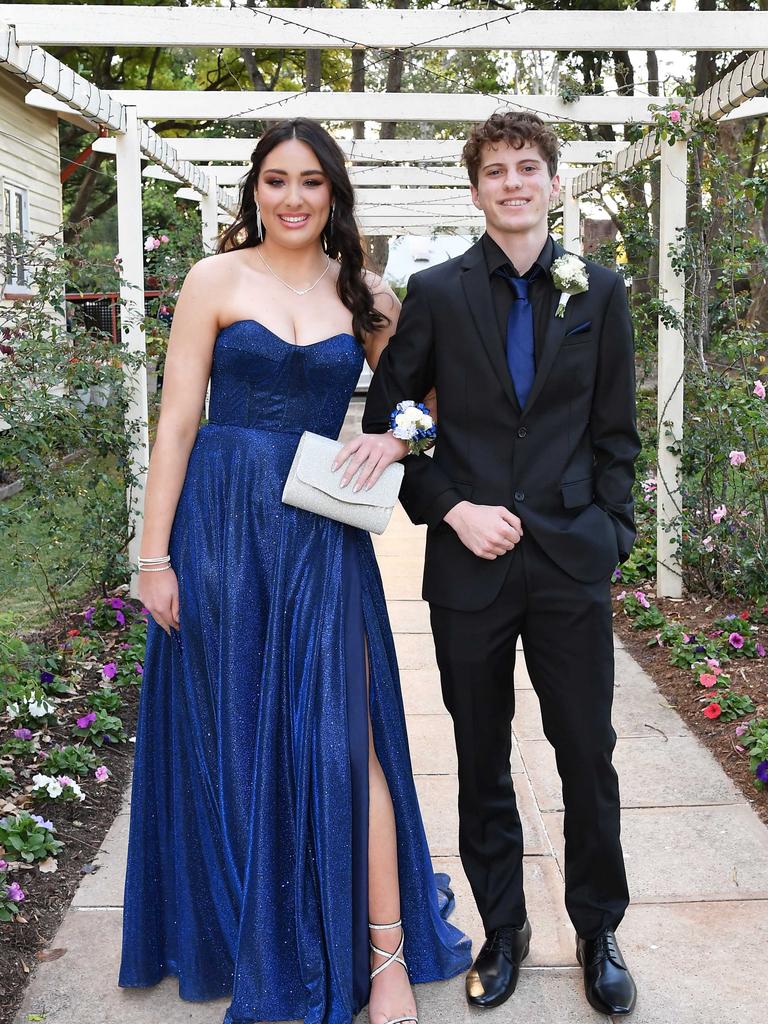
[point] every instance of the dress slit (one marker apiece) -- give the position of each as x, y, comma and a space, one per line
357, 729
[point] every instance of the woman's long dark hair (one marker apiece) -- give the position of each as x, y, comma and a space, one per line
341, 237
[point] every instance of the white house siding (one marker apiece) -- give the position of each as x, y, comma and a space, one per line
29, 156
29, 159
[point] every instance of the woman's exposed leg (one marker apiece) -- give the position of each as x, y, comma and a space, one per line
391, 995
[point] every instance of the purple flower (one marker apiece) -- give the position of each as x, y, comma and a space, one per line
22, 734
741, 729
616, 575
736, 640
699, 649
102, 773
124, 647
762, 771
15, 892
3, 865
46, 677
41, 821
731, 616
88, 615
86, 720
109, 671
759, 650
139, 668
116, 602
642, 599
119, 618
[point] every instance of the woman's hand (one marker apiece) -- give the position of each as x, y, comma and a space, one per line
159, 592
372, 452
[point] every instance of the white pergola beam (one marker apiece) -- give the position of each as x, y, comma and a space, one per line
70, 92
130, 244
381, 151
192, 105
289, 28
731, 94
671, 367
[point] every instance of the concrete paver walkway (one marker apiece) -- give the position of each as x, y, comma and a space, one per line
697, 859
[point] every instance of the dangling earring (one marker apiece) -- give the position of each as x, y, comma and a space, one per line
259, 225
329, 228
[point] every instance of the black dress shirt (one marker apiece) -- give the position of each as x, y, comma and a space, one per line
541, 292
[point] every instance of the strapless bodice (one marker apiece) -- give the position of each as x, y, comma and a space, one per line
259, 380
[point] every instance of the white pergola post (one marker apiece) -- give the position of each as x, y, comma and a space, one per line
209, 214
130, 243
571, 219
672, 221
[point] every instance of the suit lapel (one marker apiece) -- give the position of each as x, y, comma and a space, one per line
553, 339
477, 290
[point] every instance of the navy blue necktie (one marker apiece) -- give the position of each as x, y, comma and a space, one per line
521, 357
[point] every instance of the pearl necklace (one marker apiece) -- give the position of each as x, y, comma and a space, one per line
296, 291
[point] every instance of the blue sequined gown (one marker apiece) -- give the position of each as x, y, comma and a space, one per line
247, 858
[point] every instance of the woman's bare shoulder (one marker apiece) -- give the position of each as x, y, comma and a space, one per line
384, 299
215, 268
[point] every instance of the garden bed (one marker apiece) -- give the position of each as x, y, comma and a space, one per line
697, 615
86, 661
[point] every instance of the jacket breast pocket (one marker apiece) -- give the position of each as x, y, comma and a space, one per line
579, 338
577, 493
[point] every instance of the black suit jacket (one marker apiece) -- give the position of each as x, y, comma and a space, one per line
564, 464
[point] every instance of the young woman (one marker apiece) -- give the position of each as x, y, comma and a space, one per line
274, 817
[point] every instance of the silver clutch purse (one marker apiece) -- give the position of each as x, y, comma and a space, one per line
314, 487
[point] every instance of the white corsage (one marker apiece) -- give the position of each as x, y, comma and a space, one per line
570, 277
411, 422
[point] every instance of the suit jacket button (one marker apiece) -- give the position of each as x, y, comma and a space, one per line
522, 431
519, 495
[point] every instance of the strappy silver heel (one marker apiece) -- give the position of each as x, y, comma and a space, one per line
392, 958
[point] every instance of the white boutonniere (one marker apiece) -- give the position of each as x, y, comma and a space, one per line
570, 277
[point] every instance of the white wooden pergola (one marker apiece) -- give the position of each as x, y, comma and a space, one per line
406, 185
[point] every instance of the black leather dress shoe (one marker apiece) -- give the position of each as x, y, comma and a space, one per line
607, 982
494, 974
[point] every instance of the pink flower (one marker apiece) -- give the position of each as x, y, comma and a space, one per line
86, 720
3, 865
642, 599
164, 238
707, 679
102, 773
719, 514
149, 244
708, 544
737, 458
741, 729
15, 892
713, 710
674, 116
736, 640
109, 671
139, 667
621, 596
64, 780
713, 663
759, 389
759, 650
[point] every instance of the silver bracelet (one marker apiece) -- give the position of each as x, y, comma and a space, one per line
154, 561
154, 568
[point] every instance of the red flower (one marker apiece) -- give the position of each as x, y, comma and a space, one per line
744, 616
713, 710
73, 632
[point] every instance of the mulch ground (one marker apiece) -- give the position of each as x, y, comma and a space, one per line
748, 676
82, 827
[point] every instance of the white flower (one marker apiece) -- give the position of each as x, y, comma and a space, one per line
12, 710
48, 783
39, 708
570, 277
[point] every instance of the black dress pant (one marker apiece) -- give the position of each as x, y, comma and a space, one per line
568, 642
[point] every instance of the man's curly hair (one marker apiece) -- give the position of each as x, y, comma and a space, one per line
517, 129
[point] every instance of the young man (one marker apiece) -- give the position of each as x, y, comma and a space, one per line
529, 508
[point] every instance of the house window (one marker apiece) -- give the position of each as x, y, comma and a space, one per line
16, 217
